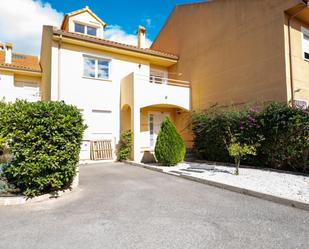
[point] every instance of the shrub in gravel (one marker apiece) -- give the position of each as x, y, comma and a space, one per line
278, 132
170, 148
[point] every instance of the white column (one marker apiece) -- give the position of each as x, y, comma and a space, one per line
135, 124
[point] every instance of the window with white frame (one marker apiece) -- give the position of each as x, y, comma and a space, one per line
305, 33
85, 29
98, 68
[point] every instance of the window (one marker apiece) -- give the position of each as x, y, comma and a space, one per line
79, 28
84, 29
101, 122
305, 43
96, 68
91, 31
27, 90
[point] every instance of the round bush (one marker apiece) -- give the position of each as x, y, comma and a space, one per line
170, 148
44, 139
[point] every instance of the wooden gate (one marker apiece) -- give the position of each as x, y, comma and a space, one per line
101, 150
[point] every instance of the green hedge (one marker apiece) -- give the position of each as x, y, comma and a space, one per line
44, 139
170, 148
279, 133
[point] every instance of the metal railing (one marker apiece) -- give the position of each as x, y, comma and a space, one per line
164, 81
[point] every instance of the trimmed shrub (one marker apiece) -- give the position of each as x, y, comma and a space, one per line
285, 137
170, 148
44, 139
125, 145
279, 133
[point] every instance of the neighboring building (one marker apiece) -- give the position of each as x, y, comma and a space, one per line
238, 51
115, 86
20, 75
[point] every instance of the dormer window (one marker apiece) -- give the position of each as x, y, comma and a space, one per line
85, 29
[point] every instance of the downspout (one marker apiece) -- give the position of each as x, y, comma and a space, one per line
290, 50
59, 67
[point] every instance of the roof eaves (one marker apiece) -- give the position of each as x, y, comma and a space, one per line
114, 44
12, 66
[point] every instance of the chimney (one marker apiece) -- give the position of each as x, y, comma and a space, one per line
8, 52
141, 37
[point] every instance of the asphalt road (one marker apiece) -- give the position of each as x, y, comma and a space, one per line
121, 206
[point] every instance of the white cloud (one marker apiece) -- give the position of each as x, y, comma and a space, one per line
117, 34
148, 22
21, 22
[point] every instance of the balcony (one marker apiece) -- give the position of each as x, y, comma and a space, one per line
139, 91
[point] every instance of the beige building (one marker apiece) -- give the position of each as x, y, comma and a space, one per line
240, 51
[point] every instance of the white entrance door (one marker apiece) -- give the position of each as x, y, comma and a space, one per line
155, 121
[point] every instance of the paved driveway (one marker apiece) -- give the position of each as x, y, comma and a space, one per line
122, 206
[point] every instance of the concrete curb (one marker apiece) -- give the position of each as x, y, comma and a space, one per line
264, 196
21, 200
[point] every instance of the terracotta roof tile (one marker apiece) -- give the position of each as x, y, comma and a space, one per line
21, 62
114, 44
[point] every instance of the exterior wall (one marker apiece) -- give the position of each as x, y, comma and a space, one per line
230, 51
89, 95
46, 60
138, 93
300, 66
10, 91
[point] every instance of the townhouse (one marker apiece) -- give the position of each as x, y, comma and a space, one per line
213, 52
115, 86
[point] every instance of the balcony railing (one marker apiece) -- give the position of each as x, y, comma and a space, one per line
165, 81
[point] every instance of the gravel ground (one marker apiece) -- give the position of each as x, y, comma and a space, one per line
287, 185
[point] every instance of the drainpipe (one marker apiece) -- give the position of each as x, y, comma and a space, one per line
59, 67
290, 49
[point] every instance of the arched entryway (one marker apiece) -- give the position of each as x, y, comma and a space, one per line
151, 118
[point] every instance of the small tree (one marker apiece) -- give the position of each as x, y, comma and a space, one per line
170, 148
238, 151
125, 145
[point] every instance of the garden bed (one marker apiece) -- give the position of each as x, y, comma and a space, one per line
280, 184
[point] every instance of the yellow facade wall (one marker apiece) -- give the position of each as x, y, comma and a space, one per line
300, 66
230, 51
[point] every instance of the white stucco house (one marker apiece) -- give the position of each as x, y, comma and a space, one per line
115, 86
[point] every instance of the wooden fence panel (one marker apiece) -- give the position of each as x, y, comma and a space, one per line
101, 150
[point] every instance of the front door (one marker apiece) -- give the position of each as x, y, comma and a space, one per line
155, 121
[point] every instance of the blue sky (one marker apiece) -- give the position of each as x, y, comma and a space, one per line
21, 21
127, 14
